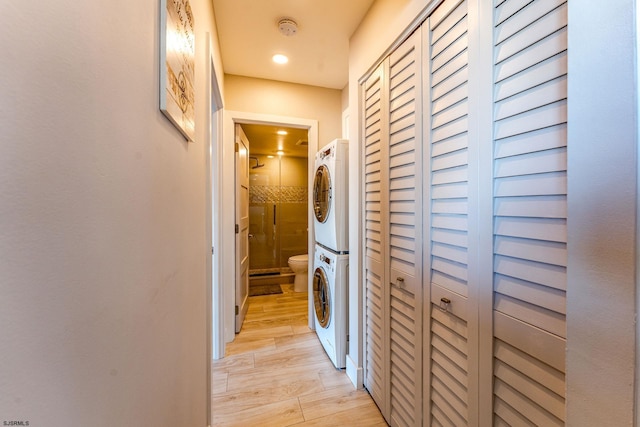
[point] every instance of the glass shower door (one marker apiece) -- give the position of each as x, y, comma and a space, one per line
278, 207
264, 245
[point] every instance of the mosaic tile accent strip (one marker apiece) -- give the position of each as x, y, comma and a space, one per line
273, 194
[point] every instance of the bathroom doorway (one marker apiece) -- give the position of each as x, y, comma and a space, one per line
225, 306
278, 202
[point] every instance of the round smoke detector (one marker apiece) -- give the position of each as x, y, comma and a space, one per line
287, 27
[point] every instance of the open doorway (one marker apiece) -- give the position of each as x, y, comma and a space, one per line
278, 201
224, 307
271, 211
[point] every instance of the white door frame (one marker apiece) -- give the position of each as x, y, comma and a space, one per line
224, 307
214, 340
242, 226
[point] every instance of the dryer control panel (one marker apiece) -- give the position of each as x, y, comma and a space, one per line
325, 259
325, 153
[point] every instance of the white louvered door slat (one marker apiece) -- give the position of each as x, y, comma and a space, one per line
404, 232
530, 211
375, 185
446, 60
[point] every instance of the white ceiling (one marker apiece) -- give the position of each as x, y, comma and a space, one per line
318, 53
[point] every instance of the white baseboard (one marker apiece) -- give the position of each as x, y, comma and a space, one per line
354, 373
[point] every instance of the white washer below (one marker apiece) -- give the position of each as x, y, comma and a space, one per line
330, 275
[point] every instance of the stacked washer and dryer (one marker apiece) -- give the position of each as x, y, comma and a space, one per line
331, 259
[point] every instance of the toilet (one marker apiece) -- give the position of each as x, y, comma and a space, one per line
300, 266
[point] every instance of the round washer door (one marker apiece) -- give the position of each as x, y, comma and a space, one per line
322, 193
321, 297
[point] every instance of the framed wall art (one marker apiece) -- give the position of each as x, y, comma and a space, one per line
177, 65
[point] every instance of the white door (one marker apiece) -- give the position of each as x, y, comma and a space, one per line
242, 226
375, 185
392, 226
530, 213
403, 233
450, 347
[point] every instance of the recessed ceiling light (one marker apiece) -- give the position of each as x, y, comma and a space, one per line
282, 132
280, 153
280, 59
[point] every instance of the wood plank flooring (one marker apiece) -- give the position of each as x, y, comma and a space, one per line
276, 373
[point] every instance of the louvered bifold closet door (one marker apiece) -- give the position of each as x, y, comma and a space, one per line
530, 211
375, 185
447, 63
405, 231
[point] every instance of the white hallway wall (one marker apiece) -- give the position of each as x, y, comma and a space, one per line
603, 196
602, 218
286, 99
103, 246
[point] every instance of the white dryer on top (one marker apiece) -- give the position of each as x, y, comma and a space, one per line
330, 188
330, 277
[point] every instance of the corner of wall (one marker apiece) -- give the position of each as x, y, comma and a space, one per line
355, 373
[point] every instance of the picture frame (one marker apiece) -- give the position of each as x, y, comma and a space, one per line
177, 65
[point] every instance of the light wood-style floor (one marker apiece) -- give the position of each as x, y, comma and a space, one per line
276, 373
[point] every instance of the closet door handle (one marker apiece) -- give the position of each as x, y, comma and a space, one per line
400, 281
445, 303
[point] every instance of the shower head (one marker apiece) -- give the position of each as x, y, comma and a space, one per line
258, 165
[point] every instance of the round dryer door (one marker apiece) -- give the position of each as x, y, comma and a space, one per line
322, 193
321, 297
